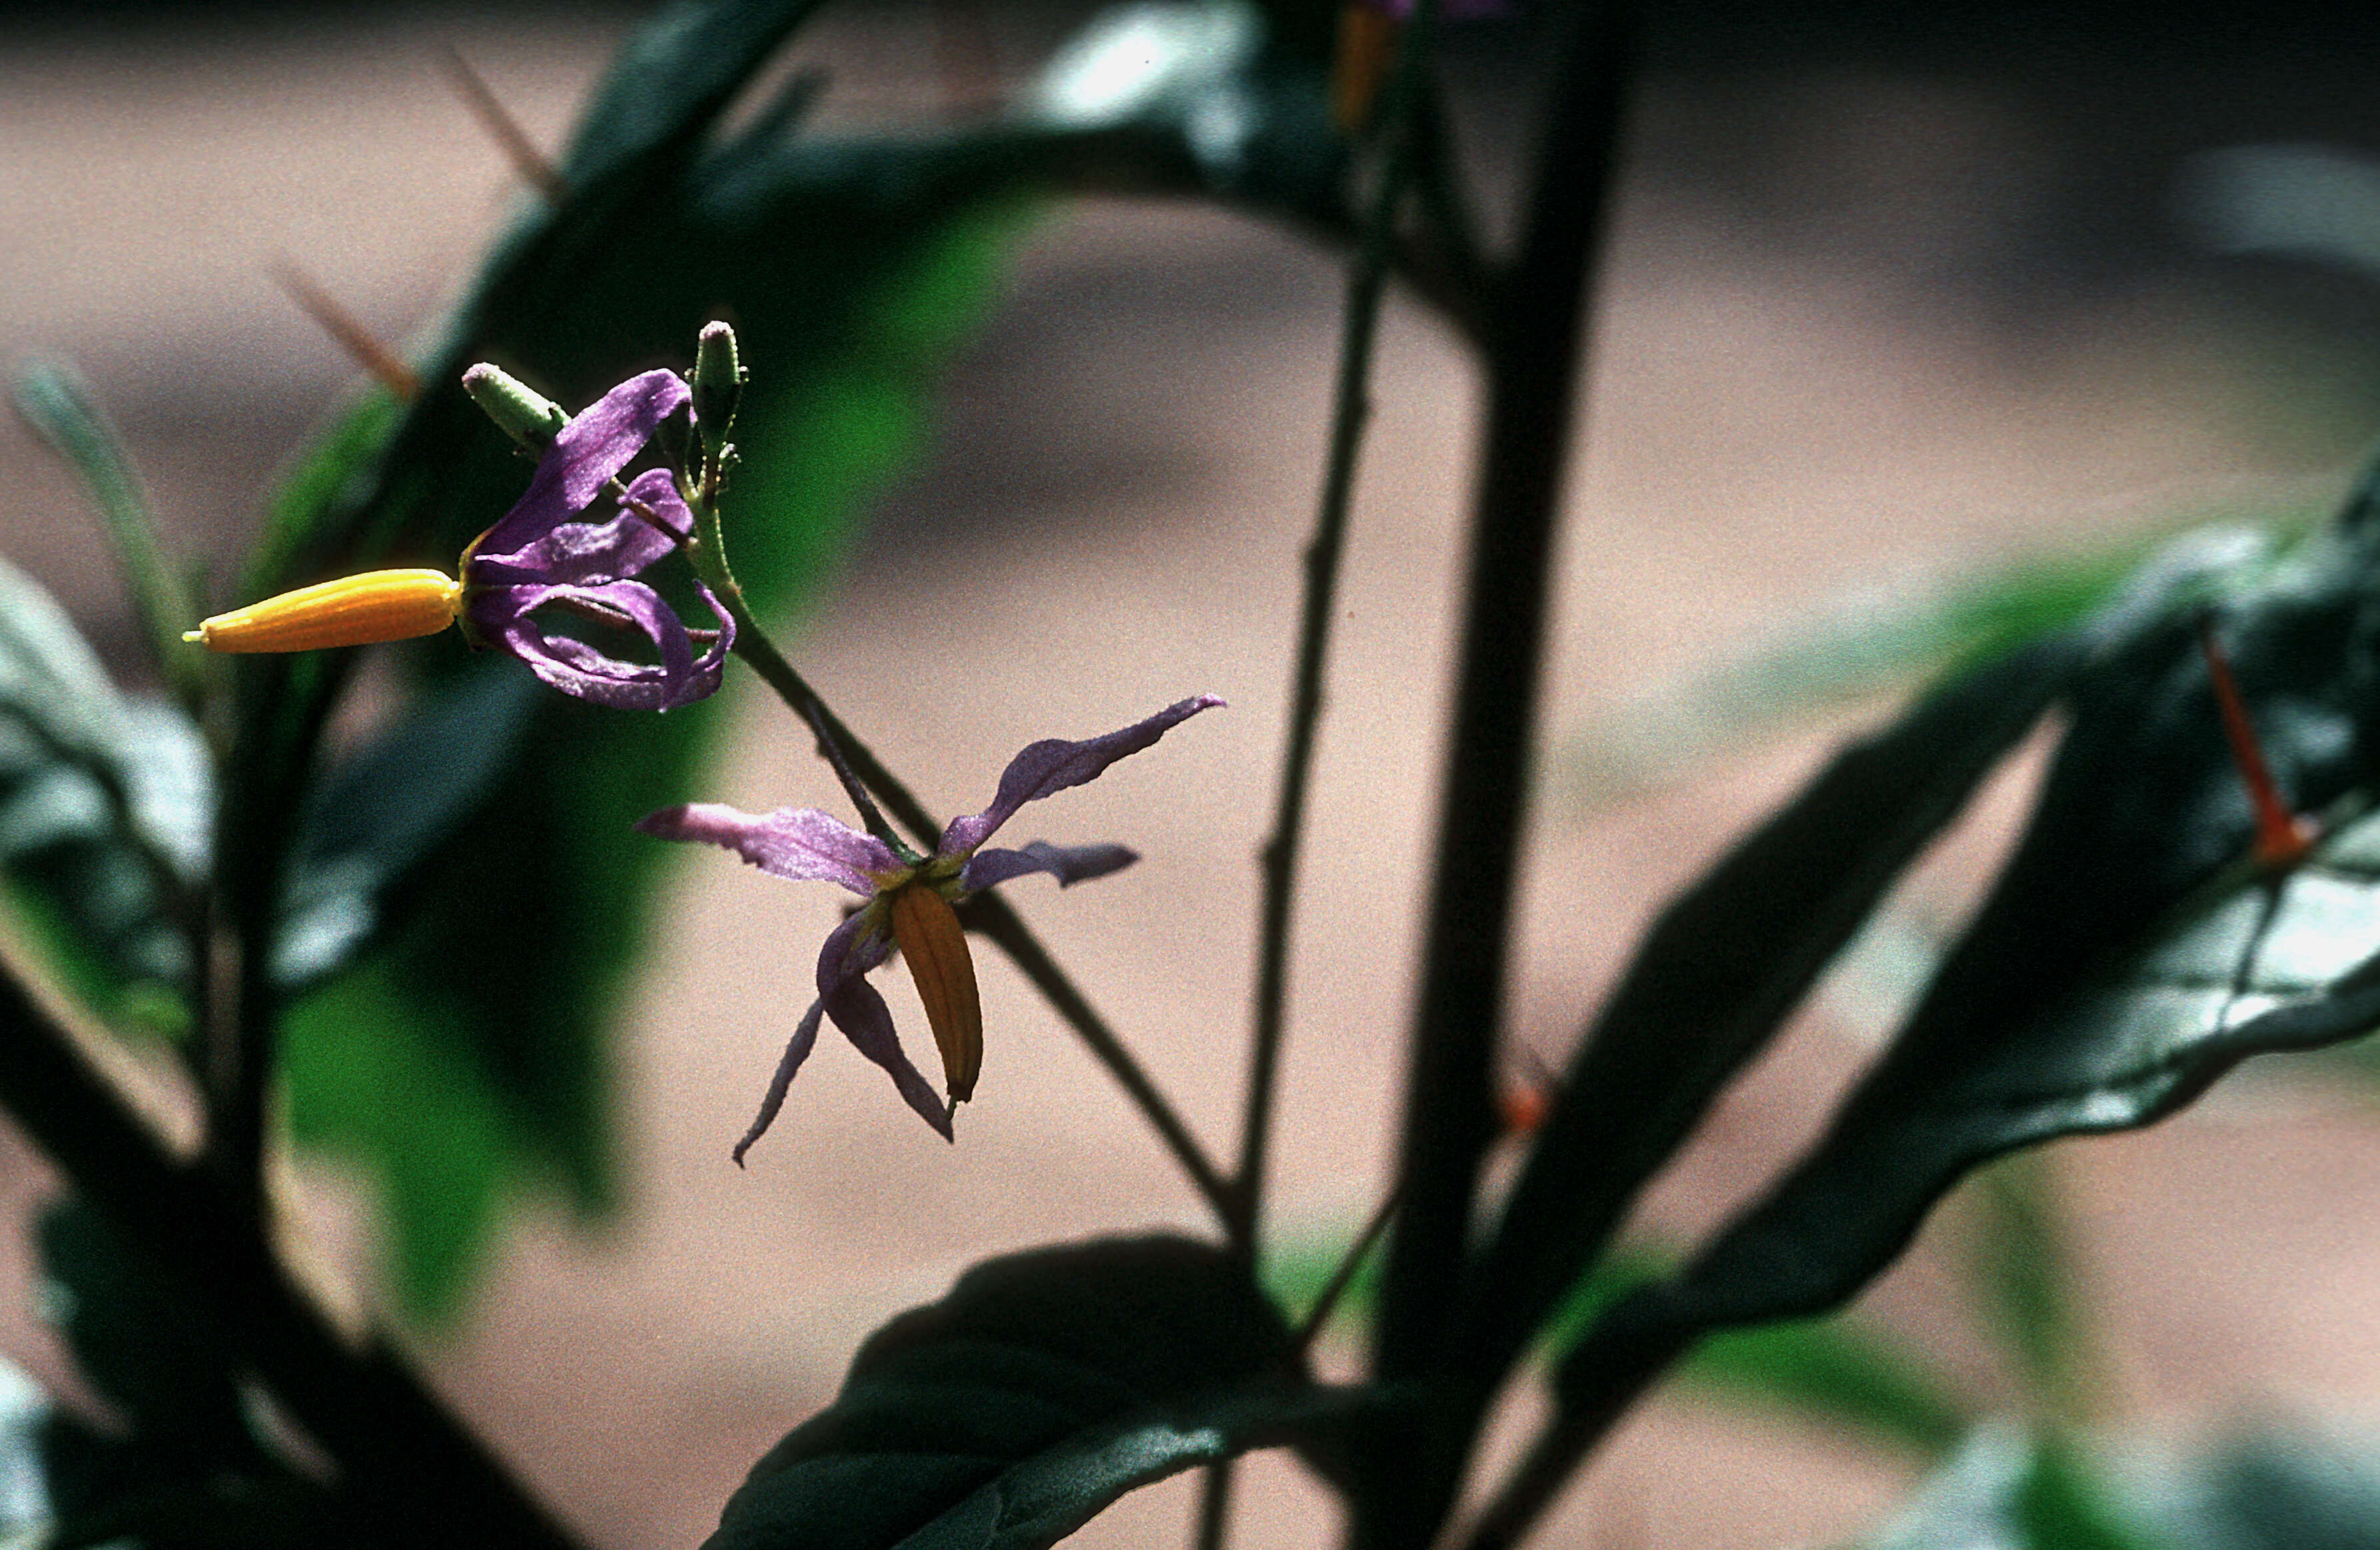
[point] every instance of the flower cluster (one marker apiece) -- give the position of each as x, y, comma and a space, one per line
545, 556
908, 906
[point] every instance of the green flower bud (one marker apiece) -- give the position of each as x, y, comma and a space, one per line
718, 384
526, 416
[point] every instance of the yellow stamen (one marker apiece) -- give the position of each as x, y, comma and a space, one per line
936, 949
352, 610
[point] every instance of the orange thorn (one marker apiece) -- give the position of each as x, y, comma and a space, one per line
1523, 1099
362, 345
2283, 838
534, 167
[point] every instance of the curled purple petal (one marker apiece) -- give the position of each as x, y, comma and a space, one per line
1053, 765
1068, 863
797, 1049
502, 617
585, 456
862, 942
799, 844
647, 526
867, 1021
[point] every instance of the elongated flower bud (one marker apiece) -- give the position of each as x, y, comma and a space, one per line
352, 610
719, 378
936, 951
525, 414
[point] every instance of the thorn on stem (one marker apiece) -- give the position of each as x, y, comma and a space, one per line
362, 345
2283, 838
533, 166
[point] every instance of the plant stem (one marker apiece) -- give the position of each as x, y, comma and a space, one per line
394, 1442
1351, 408
1600, 1382
993, 915
1533, 380
1214, 1504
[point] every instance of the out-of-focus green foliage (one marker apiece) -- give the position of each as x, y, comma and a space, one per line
186, 1469
105, 802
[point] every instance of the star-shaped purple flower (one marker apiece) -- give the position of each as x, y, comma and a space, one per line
541, 555
908, 899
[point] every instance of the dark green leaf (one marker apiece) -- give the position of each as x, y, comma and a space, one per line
1045, 1385
2126, 958
382, 809
1724, 965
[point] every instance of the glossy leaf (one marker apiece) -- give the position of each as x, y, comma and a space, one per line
1046, 1384
2127, 957
1724, 965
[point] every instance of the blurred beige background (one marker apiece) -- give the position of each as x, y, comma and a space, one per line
1840, 391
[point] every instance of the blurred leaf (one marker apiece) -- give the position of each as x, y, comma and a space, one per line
2126, 958
104, 808
56, 403
1831, 1370
1724, 965
1045, 1385
186, 1469
1860, 646
2301, 1487
379, 812
2008, 1491
2060, 1504
375, 1077
2021, 1271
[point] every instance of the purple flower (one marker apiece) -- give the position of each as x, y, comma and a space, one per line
541, 555
908, 899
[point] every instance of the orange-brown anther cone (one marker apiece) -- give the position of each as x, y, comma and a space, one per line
936, 951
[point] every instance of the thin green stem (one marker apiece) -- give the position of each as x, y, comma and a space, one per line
1351, 408
986, 913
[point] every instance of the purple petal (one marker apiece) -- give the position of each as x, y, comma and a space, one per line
800, 843
797, 1049
585, 455
1053, 765
867, 1021
502, 617
590, 553
1068, 863
862, 942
